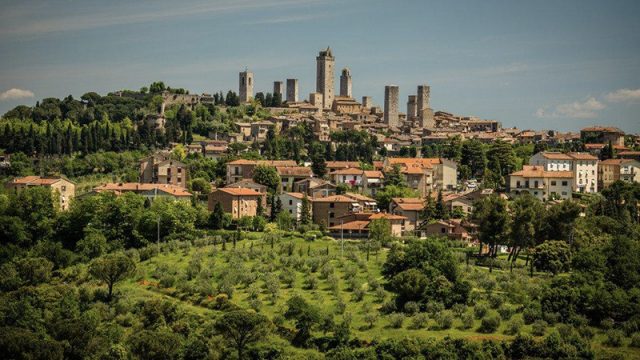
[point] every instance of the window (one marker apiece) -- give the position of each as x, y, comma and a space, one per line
442, 230
64, 188
564, 183
553, 183
179, 180
179, 170
290, 202
332, 205
518, 183
535, 184
331, 215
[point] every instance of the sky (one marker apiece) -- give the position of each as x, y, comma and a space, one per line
531, 64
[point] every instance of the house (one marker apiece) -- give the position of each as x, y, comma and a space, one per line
338, 165
372, 182
455, 229
248, 184
162, 169
314, 187
292, 203
584, 167
327, 209
290, 174
602, 135
410, 208
243, 169
63, 187
544, 185
612, 170
259, 129
148, 191
239, 202
357, 224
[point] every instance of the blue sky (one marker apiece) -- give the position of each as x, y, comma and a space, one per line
533, 64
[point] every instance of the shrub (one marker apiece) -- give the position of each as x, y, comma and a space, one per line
480, 310
380, 294
411, 307
419, 321
396, 320
434, 307
539, 327
311, 282
459, 309
551, 318
358, 294
444, 320
614, 338
495, 301
607, 324
467, 321
635, 340
531, 314
506, 311
370, 318
388, 307
490, 323
513, 327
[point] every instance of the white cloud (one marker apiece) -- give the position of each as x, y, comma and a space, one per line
587, 109
15, 94
623, 95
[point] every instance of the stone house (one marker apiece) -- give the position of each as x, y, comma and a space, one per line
162, 169
290, 174
545, 185
243, 169
411, 209
239, 202
314, 187
292, 203
356, 225
148, 191
612, 170
64, 188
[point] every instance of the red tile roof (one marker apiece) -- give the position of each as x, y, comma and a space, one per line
529, 171
240, 191
141, 187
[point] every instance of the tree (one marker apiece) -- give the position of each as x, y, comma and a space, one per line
284, 220
386, 194
201, 186
379, 233
490, 213
216, 219
473, 156
112, 268
242, 328
559, 222
394, 177
305, 210
155, 345
553, 256
306, 317
528, 213
441, 211
267, 176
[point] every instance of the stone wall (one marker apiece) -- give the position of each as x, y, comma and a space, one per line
391, 97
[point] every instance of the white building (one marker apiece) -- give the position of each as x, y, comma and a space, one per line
583, 166
544, 185
292, 203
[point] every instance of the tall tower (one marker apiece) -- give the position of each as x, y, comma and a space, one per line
425, 113
324, 77
367, 102
246, 86
412, 108
292, 90
278, 86
345, 83
391, 93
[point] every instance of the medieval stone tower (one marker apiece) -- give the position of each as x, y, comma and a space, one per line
391, 94
246, 86
292, 90
345, 83
278, 87
425, 113
412, 108
324, 77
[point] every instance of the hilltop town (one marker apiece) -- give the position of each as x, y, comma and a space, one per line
327, 226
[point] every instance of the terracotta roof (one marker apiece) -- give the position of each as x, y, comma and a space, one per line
352, 225
141, 187
409, 204
359, 197
386, 216
335, 198
240, 191
629, 153
347, 171
36, 180
374, 174
555, 155
529, 171
342, 164
296, 195
603, 129
294, 171
245, 183
276, 163
582, 156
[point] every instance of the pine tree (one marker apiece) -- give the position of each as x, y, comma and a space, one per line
305, 211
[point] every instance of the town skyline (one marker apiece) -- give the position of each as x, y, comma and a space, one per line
529, 89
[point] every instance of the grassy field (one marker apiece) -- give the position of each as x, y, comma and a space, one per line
263, 277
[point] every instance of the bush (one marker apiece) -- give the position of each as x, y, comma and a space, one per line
480, 310
419, 321
514, 326
614, 338
607, 324
411, 307
539, 328
444, 320
490, 323
506, 311
459, 309
396, 320
531, 314
467, 321
358, 294
635, 340
370, 318
434, 307
495, 301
